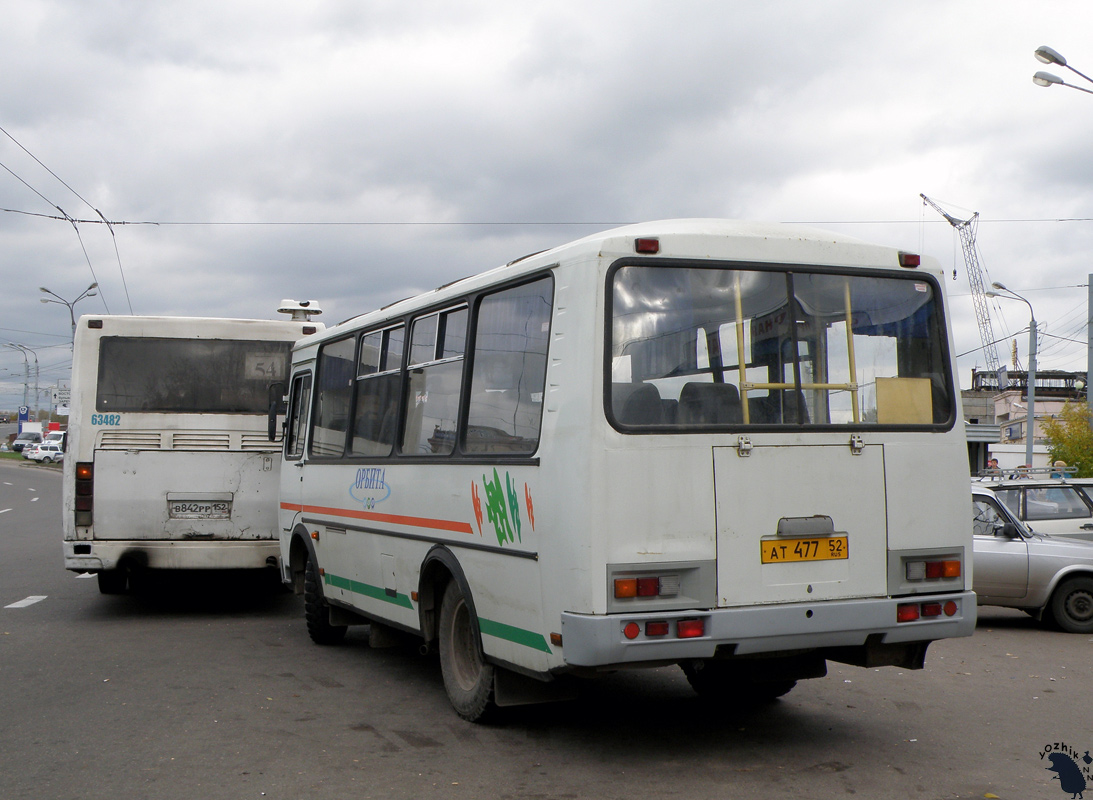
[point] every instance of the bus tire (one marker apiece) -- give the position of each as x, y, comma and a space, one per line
113, 581
468, 678
724, 683
316, 609
1072, 605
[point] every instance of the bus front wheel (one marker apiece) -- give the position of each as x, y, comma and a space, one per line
468, 679
316, 610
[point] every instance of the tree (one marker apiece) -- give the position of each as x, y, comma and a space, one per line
1070, 438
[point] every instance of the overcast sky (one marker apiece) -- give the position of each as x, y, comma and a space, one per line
357, 152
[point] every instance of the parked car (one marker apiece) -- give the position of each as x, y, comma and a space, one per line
25, 438
28, 450
48, 452
1049, 577
1060, 507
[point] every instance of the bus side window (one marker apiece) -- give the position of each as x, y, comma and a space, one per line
334, 391
379, 377
297, 412
436, 376
509, 373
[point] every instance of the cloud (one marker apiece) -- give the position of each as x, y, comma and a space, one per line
341, 153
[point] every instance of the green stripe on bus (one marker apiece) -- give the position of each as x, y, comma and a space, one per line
513, 634
375, 592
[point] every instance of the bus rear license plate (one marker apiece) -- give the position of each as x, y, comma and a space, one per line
826, 548
198, 509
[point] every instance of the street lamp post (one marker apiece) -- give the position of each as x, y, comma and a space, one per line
26, 373
1030, 425
88, 292
1046, 55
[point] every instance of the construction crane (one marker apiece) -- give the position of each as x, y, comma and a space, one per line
966, 230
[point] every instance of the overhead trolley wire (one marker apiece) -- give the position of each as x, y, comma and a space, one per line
74, 222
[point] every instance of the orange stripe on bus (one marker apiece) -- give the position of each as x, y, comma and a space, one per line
393, 519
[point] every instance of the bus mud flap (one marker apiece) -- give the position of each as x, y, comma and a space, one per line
513, 689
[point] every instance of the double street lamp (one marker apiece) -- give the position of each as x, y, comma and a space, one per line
1030, 425
22, 348
1046, 55
88, 292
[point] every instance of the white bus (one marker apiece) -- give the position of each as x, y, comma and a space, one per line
168, 462
732, 447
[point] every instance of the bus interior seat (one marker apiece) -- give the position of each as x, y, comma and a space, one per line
709, 404
642, 406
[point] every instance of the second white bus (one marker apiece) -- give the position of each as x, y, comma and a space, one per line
732, 447
168, 462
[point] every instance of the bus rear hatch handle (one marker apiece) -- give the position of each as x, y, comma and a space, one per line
856, 444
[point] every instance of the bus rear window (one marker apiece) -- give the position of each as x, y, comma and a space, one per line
188, 376
700, 348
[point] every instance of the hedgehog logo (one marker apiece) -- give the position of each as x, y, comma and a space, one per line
1070, 777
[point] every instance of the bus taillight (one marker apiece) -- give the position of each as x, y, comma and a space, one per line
84, 499
911, 612
647, 586
933, 570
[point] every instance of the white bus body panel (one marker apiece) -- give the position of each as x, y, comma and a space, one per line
597, 498
171, 490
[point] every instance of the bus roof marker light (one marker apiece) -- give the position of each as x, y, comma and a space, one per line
647, 246
909, 260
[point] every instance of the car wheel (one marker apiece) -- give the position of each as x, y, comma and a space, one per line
468, 678
48, 460
1072, 605
316, 609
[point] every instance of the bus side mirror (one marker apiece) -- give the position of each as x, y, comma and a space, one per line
277, 406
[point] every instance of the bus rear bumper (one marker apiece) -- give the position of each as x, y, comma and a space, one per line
97, 556
622, 639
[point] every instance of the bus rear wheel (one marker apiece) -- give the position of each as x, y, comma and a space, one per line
316, 609
726, 683
468, 679
113, 581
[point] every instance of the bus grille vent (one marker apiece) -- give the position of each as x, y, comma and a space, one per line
201, 441
130, 440
259, 442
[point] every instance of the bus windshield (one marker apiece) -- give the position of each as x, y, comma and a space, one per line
700, 347
188, 376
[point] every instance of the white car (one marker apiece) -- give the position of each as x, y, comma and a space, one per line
48, 452
28, 450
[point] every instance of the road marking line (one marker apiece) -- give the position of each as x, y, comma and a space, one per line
34, 499
4, 510
28, 601
86, 575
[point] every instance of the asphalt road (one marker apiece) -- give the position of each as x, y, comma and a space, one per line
207, 687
